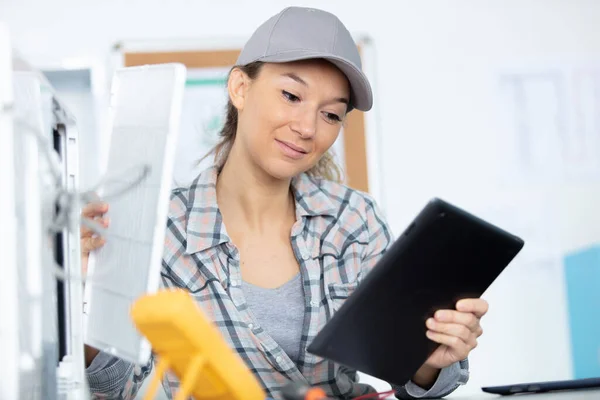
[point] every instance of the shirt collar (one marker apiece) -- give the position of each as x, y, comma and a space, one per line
311, 199
205, 228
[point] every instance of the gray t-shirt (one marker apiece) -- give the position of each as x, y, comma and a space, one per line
280, 312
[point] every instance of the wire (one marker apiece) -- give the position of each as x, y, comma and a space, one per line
138, 172
302, 391
380, 395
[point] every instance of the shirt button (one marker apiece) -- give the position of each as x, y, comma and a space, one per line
251, 326
278, 358
234, 282
305, 256
314, 303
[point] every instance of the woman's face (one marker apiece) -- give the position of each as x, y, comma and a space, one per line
290, 115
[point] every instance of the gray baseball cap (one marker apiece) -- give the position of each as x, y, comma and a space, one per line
299, 33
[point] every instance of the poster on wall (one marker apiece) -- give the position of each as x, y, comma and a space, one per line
202, 117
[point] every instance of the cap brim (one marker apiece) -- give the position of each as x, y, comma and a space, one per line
361, 93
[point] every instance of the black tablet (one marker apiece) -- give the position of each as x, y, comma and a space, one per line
445, 254
547, 386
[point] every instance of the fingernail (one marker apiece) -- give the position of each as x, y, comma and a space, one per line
429, 334
430, 322
441, 315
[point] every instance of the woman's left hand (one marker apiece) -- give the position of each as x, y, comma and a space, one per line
456, 330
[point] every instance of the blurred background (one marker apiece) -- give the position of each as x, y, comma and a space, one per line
492, 105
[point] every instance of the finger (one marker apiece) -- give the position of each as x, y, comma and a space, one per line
92, 243
93, 209
467, 319
451, 329
97, 242
86, 245
479, 307
87, 231
479, 331
457, 345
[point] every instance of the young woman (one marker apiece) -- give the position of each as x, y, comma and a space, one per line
267, 241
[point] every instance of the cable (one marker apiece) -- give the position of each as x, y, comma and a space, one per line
302, 391
139, 173
379, 395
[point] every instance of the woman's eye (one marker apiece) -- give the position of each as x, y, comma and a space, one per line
290, 97
332, 117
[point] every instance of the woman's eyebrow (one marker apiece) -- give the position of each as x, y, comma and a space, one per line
301, 81
295, 77
341, 100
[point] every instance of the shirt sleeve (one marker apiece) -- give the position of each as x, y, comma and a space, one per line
110, 377
100, 362
380, 237
449, 379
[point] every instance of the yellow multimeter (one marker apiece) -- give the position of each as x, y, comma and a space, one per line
189, 345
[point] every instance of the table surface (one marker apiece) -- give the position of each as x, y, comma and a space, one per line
584, 394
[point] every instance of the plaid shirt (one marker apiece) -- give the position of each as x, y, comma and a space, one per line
338, 237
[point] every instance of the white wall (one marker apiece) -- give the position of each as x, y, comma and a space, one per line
438, 102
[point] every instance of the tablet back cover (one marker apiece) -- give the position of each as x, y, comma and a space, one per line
444, 255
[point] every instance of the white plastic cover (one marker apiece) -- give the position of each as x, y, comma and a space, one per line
27, 126
144, 119
9, 340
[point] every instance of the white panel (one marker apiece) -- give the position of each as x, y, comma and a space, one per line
9, 328
27, 128
145, 111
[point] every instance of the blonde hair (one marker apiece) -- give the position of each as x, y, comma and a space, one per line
326, 168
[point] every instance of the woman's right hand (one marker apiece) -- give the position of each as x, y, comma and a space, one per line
89, 240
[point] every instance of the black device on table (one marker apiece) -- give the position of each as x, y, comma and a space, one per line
547, 386
446, 254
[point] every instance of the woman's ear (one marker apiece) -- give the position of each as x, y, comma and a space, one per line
237, 87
